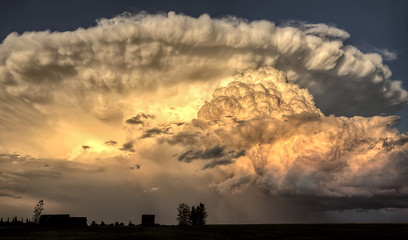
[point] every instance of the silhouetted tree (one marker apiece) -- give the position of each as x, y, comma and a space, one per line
184, 214
201, 214
194, 216
37, 211
93, 224
102, 223
198, 215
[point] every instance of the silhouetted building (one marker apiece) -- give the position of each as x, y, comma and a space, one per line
62, 220
147, 220
55, 220
78, 222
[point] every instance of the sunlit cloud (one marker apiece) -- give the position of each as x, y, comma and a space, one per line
290, 148
149, 106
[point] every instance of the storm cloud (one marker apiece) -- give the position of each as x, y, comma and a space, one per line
232, 111
291, 148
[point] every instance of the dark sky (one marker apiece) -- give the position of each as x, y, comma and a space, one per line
371, 23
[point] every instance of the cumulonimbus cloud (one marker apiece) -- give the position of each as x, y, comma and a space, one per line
291, 148
270, 128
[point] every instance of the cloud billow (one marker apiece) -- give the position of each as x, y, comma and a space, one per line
292, 149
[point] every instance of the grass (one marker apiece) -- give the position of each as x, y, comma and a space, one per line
224, 232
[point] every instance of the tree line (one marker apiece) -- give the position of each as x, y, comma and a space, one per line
15, 222
194, 216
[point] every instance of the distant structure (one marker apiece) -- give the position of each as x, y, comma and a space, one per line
147, 220
62, 220
78, 222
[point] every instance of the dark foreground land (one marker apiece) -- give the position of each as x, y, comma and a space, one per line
271, 231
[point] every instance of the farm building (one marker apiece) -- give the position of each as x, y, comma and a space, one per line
62, 220
147, 220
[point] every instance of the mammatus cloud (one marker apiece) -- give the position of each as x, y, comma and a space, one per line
291, 148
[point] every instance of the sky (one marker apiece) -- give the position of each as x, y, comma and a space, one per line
265, 111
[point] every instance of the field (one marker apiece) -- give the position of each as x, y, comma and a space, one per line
225, 232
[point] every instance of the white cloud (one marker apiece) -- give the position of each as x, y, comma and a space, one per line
326, 31
387, 54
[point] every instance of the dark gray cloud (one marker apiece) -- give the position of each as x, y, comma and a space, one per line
127, 147
138, 119
155, 132
217, 156
110, 143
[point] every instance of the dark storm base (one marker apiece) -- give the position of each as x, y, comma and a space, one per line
270, 231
